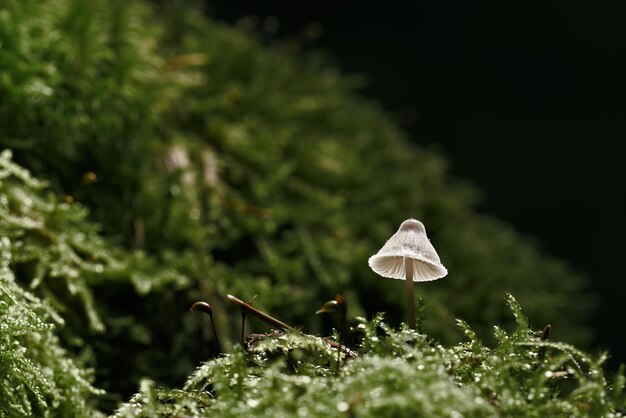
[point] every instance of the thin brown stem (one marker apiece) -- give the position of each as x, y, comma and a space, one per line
243, 325
217, 340
546, 332
343, 334
261, 315
206, 308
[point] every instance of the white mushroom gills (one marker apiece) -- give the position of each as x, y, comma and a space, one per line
408, 255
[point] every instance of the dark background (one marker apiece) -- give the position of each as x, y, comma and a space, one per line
526, 101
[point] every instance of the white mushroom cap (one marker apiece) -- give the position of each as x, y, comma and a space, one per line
409, 242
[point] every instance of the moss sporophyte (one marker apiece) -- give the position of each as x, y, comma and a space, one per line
206, 308
339, 306
247, 308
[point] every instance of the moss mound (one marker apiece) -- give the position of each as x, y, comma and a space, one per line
398, 373
186, 161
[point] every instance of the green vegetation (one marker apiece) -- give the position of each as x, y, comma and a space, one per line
55, 253
183, 161
39, 378
398, 373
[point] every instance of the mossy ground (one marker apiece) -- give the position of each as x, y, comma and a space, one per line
176, 159
395, 373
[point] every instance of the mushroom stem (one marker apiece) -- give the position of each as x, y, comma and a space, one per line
410, 298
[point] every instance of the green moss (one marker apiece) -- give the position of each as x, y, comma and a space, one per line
398, 373
204, 164
59, 256
39, 377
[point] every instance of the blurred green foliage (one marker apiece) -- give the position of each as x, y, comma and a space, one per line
214, 165
398, 373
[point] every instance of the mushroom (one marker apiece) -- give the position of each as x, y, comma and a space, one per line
408, 255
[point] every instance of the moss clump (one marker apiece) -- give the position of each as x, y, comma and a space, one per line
39, 377
398, 372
